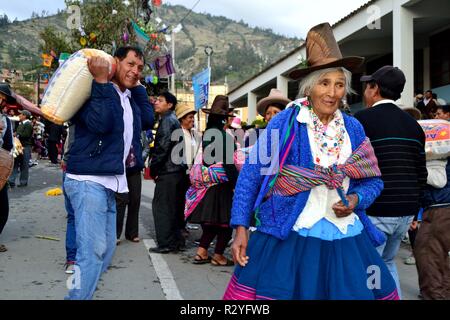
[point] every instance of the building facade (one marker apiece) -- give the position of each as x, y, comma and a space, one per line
410, 34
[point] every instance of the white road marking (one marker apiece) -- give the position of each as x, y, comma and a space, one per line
163, 272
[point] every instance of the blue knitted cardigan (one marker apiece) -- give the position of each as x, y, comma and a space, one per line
278, 214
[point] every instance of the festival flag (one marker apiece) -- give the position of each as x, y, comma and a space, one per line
141, 37
157, 3
200, 82
47, 60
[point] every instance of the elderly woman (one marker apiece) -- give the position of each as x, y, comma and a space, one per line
313, 240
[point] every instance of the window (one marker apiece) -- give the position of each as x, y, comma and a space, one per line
440, 59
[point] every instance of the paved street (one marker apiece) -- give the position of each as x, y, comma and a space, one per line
33, 268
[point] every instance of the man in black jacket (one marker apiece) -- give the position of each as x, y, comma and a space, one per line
399, 142
168, 200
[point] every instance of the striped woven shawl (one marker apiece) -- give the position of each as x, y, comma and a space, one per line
361, 164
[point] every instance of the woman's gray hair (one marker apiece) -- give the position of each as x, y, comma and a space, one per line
313, 78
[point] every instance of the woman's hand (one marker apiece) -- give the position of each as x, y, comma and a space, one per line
414, 225
341, 210
239, 246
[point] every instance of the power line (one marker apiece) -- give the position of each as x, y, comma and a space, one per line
190, 11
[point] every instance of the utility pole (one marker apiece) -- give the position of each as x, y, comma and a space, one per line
173, 57
38, 89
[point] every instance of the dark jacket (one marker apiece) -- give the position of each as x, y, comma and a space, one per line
54, 132
398, 141
434, 196
98, 144
161, 162
8, 138
25, 133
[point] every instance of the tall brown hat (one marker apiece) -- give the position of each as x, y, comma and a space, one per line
220, 107
322, 51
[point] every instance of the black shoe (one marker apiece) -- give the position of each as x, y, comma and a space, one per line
160, 250
22, 185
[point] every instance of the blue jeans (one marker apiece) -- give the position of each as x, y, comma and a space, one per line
395, 229
71, 244
95, 224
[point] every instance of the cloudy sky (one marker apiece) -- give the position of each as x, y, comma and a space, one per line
286, 17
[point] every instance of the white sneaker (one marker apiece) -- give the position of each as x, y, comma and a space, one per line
69, 268
410, 260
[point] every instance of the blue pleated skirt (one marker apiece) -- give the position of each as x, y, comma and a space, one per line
319, 263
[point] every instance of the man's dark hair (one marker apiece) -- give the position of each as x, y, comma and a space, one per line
445, 108
170, 98
122, 52
385, 92
430, 91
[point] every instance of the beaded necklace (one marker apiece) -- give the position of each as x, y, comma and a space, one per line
328, 145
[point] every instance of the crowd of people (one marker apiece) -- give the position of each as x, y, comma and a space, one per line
314, 197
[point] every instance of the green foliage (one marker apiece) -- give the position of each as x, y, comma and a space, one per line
101, 28
24, 90
54, 42
259, 123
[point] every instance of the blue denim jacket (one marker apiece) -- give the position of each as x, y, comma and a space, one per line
279, 214
98, 145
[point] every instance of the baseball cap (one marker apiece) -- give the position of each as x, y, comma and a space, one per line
389, 77
26, 113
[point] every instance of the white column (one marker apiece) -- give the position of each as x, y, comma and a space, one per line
251, 102
283, 85
426, 69
403, 36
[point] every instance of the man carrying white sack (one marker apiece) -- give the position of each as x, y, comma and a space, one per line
106, 128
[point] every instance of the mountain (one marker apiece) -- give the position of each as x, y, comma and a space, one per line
239, 50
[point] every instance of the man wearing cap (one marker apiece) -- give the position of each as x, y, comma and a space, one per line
24, 133
399, 142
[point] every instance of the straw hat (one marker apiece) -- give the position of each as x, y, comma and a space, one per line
183, 110
322, 51
275, 96
220, 107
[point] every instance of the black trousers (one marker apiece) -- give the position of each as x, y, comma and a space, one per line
168, 207
53, 151
133, 201
223, 234
4, 207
